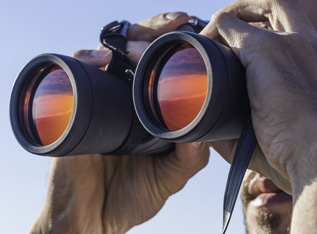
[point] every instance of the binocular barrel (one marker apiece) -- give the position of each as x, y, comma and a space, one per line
61, 106
188, 87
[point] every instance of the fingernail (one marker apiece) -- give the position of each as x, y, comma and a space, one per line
100, 53
193, 19
173, 15
197, 145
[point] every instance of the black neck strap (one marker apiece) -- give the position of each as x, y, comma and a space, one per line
241, 159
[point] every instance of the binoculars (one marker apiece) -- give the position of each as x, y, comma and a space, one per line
186, 88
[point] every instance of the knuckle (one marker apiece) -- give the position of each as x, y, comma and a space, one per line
269, 41
80, 53
282, 2
295, 41
221, 17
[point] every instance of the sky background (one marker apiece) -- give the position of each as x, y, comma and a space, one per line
32, 27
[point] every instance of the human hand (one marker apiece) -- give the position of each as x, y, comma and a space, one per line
110, 194
282, 86
140, 35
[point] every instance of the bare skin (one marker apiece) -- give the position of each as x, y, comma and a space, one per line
264, 105
282, 88
110, 194
94, 194
266, 208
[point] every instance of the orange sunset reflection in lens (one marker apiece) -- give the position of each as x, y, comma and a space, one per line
52, 105
182, 87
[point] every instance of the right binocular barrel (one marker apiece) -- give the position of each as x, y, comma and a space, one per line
188, 88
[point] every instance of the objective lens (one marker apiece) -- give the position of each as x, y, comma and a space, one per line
181, 88
49, 106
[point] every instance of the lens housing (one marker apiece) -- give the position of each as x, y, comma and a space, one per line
27, 83
226, 105
102, 121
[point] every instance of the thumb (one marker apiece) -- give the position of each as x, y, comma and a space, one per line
96, 58
150, 29
235, 33
175, 169
192, 156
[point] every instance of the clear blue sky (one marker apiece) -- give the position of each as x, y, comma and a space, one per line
29, 28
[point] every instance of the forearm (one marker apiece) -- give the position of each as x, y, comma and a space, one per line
305, 210
75, 198
304, 184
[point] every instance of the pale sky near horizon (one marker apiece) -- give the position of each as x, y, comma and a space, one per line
29, 28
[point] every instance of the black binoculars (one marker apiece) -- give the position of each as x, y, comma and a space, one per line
186, 88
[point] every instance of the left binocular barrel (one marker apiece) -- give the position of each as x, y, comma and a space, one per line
61, 106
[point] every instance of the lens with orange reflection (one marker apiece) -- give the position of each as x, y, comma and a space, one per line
181, 87
52, 105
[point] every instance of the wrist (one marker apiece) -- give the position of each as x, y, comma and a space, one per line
303, 171
75, 196
304, 206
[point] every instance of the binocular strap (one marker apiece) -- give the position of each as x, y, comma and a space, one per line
114, 37
241, 159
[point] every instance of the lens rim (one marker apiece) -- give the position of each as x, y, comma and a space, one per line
168, 53
210, 112
80, 118
40, 75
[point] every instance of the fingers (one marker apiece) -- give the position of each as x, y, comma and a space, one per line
237, 34
292, 17
136, 49
225, 148
150, 29
193, 19
141, 34
97, 58
283, 15
263, 25
231, 29
175, 169
248, 10
192, 156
